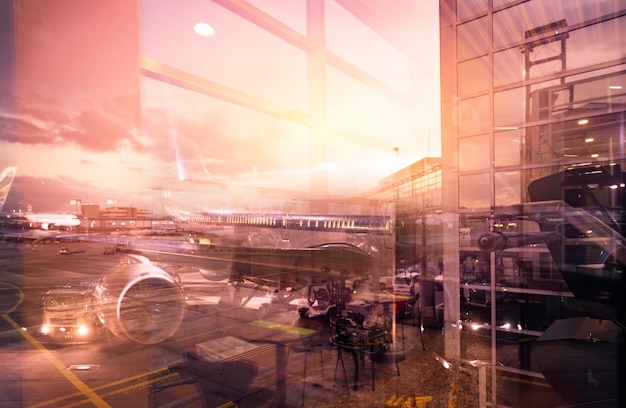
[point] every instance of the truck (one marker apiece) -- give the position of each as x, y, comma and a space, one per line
68, 314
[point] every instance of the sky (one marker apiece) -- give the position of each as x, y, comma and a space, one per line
80, 122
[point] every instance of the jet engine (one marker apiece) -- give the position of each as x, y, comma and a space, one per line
498, 241
140, 301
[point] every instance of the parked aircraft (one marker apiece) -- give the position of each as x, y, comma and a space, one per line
581, 215
45, 221
6, 180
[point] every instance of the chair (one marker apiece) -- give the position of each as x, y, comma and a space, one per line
383, 355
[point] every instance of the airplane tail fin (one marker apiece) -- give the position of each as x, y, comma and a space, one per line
6, 180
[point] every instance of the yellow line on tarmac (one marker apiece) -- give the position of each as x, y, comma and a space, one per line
110, 385
76, 382
129, 388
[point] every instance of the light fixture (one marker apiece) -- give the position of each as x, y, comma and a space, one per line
589, 139
615, 87
204, 30
583, 121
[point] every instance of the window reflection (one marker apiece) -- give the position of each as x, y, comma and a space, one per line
473, 38
466, 9
474, 115
358, 107
508, 67
291, 13
475, 190
509, 107
191, 127
474, 76
508, 147
511, 23
472, 153
273, 69
508, 188
344, 30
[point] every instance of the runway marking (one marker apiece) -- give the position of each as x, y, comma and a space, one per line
76, 382
128, 388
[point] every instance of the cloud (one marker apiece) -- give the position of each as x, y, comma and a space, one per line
89, 124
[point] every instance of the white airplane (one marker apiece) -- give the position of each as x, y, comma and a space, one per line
46, 221
6, 179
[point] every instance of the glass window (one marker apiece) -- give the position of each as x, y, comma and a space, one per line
291, 13
474, 76
587, 139
508, 188
582, 45
508, 147
509, 107
508, 67
343, 163
344, 31
359, 108
273, 69
470, 9
511, 23
474, 115
473, 38
474, 153
475, 190
208, 140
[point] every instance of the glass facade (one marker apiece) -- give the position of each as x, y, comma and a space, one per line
533, 119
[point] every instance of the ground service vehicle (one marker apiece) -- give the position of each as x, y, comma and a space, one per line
68, 314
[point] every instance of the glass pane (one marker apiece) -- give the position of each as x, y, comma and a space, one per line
273, 69
508, 67
583, 49
243, 148
469, 9
291, 13
474, 116
511, 23
475, 190
508, 187
508, 147
509, 107
358, 164
473, 38
474, 153
357, 107
344, 31
474, 76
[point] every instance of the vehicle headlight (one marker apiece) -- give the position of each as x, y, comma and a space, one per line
82, 330
45, 329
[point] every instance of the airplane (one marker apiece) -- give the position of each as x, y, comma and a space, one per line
45, 221
6, 180
581, 215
